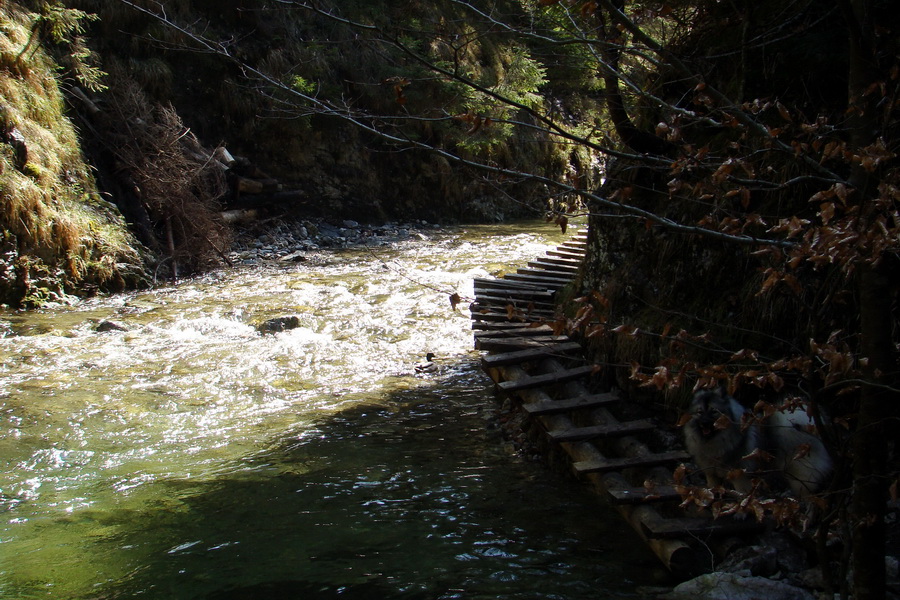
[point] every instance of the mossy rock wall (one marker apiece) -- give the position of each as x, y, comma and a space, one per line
59, 236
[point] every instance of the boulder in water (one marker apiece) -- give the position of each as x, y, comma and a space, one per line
106, 325
279, 324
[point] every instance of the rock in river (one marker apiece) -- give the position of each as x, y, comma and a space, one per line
279, 324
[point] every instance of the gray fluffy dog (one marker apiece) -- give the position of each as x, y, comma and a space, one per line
721, 444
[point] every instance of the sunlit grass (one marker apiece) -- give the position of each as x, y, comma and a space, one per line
63, 237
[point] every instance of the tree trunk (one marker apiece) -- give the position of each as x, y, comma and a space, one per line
637, 140
869, 443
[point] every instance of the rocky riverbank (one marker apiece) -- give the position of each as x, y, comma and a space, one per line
293, 240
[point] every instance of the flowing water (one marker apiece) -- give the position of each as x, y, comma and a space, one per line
189, 456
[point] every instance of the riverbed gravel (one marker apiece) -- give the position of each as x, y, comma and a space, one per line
296, 240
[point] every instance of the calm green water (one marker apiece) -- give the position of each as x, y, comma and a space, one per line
191, 457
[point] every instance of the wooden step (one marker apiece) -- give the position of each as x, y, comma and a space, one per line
659, 493
699, 527
487, 307
575, 244
521, 343
617, 464
508, 330
559, 260
507, 284
517, 293
543, 273
561, 273
562, 253
521, 356
553, 407
592, 432
504, 326
539, 313
544, 265
520, 302
537, 381
520, 319
545, 282
499, 304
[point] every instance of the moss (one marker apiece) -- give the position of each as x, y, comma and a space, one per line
58, 240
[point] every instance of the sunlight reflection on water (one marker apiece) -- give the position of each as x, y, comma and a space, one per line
188, 453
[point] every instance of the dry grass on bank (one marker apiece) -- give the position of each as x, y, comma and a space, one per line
59, 237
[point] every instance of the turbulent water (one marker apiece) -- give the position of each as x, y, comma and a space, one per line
186, 455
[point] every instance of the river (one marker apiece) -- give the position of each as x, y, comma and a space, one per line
188, 456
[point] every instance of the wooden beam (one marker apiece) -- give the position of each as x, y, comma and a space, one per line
698, 527
617, 464
514, 330
537, 381
522, 293
593, 432
566, 254
498, 307
544, 273
554, 407
506, 284
559, 260
574, 244
504, 300
545, 282
570, 268
510, 344
659, 493
521, 356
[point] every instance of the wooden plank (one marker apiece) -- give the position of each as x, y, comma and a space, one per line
522, 343
617, 464
517, 293
514, 330
554, 267
559, 260
507, 284
545, 282
506, 326
575, 245
522, 317
659, 493
504, 318
698, 527
566, 254
593, 432
521, 302
536, 381
521, 356
504, 307
569, 404
544, 274
499, 317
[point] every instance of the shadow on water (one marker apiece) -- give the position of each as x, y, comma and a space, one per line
413, 497
189, 457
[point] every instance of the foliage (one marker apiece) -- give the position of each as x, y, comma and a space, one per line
175, 178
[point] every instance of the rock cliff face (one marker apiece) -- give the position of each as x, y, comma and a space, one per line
330, 167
